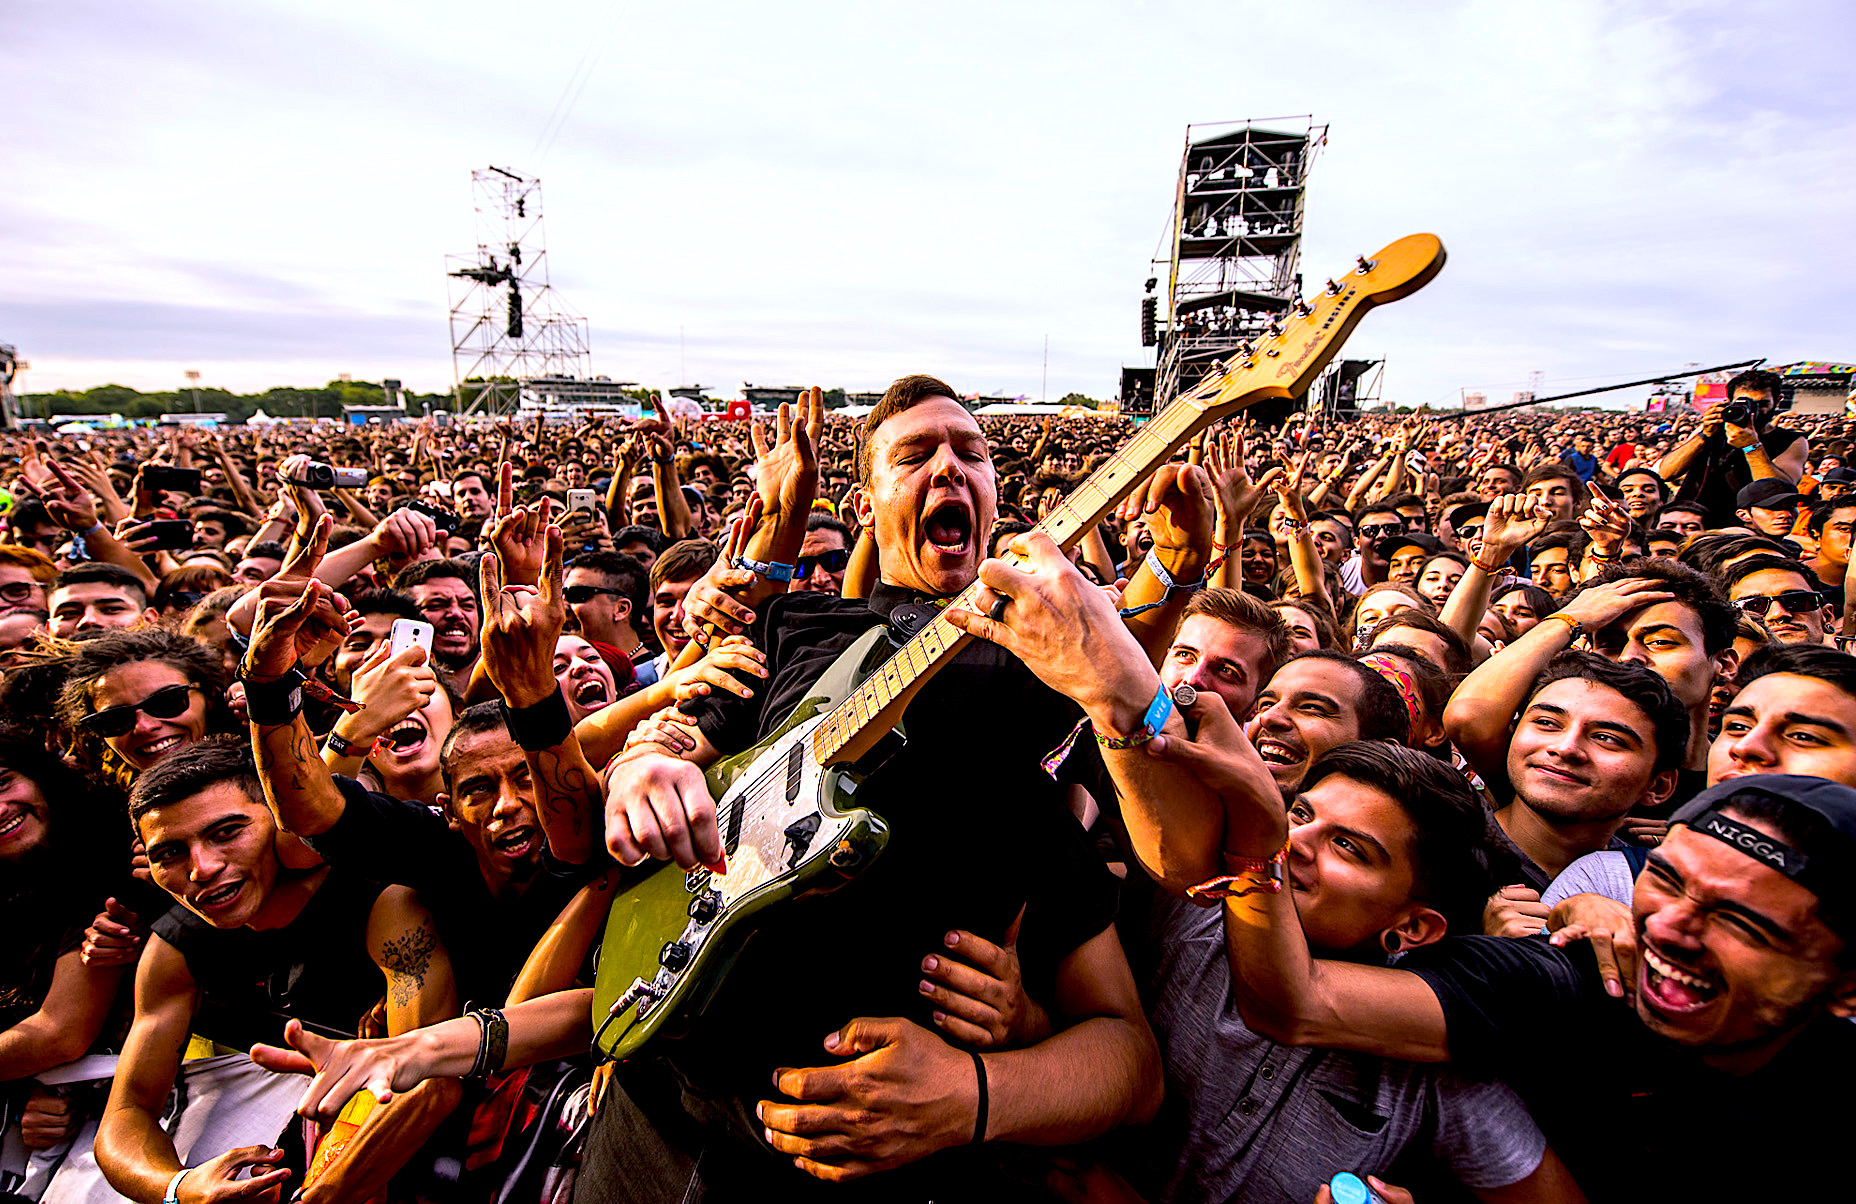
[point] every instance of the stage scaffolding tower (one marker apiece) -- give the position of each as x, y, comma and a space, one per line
1235, 245
508, 327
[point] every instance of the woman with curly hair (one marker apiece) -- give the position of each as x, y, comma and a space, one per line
64, 858
142, 693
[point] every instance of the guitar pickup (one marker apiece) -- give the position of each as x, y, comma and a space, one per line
799, 834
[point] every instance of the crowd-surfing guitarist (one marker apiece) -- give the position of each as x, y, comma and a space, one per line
965, 989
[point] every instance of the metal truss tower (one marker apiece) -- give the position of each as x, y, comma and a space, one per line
1235, 248
10, 365
508, 327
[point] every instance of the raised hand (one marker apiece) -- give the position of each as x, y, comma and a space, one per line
1238, 495
1607, 522
1514, 520
1288, 486
521, 625
978, 991
114, 938
308, 502
69, 503
300, 620
1178, 506
711, 606
519, 536
389, 688
786, 471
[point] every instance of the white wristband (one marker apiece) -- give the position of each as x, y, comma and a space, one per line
171, 1196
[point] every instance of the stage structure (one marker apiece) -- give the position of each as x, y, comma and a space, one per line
1234, 246
10, 364
511, 332
1345, 388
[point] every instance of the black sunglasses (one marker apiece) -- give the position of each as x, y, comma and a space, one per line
833, 561
579, 595
165, 703
1795, 601
1378, 530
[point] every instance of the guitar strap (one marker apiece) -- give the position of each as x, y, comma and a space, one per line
911, 617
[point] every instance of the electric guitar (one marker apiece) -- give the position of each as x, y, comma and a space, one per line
790, 821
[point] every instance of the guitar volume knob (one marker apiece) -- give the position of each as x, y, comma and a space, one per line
675, 956
705, 907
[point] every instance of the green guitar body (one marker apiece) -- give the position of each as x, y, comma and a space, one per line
789, 830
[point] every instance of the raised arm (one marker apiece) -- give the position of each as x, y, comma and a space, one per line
1310, 578
1674, 466
1178, 507
1237, 498
1513, 520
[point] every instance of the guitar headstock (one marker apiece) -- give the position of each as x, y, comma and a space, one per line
1286, 363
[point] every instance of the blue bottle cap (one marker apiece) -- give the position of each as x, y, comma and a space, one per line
1349, 1188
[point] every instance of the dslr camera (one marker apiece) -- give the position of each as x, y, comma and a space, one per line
321, 477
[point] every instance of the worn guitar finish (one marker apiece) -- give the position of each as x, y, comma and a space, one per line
788, 825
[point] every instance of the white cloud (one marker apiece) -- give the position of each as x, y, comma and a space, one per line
844, 192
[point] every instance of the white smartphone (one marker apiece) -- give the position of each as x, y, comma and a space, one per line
581, 499
406, 633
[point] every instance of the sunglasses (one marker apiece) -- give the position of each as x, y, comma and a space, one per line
579, 595
1378, 531
20, 591
833, 561
1470, 531
168, 702
1795, 601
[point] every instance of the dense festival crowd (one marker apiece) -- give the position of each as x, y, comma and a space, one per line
1412, 807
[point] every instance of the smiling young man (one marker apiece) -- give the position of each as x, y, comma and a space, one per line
761, 1094
93, 598
251, 943
1794, 713
1315, 702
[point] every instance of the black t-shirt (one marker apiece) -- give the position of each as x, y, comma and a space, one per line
1636, 1117
315, 969
977, 830
1718, 473
407, 843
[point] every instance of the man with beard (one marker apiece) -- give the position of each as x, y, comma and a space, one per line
1782, 594
443, 592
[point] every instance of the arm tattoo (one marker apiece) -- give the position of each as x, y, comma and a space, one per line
406, 958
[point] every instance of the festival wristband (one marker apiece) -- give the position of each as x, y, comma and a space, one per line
539, 727
1577, 628
343, 748
1157, 712
1250, 876
274, 703
172, 1195
772, 570
492, 1043
1166, 579
979, 1115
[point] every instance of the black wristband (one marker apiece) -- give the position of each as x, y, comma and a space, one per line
492, 1043
274, 703
542, 726
979, 1116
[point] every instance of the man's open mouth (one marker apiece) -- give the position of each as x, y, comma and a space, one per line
950, 528
12, 824
516, 842
1276, 752
1672, 989
220, 897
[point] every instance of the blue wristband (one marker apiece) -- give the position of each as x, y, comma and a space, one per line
1158, 712
771, 570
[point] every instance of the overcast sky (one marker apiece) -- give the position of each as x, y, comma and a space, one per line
840, 193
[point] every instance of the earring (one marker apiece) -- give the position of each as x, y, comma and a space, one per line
1391, 942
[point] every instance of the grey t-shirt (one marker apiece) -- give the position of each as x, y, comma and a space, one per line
1246, 1118
1606, 872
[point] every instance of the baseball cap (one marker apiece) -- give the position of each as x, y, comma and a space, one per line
1840, 476
1823, 863
1389, 545
1767, 494
1468, 512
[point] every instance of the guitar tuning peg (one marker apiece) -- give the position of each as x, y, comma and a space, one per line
1333, 288
1246, 349
1303, 308
1275, 326
1366, 265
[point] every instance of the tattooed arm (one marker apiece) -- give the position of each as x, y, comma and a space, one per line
297, 786
403, 941
570, 801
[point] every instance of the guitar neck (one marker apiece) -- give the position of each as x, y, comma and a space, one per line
877, 704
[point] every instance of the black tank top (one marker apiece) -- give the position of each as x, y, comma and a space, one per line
316, 969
